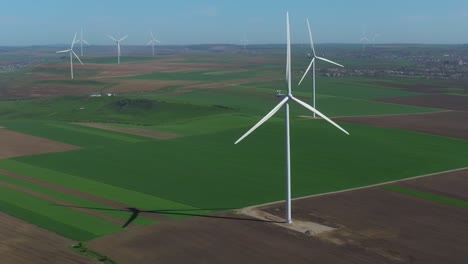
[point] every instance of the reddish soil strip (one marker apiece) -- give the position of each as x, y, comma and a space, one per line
420, 88
110, 203
144, 85
134, 131
225, 238
398, 227
222, 84
14, 144
24, 243
60, 202
441, 101
454, 184
452, 124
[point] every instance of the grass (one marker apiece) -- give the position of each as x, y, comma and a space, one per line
256, 165
42, 220
110, 192
207, 76
74, 200
104, 109
66, 216
427, 196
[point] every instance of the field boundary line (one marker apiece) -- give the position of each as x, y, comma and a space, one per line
254, 207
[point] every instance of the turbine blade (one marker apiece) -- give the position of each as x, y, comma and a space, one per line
112, 38
123, 38
332, 62
319, 114
157, 41
264, 119
310, 36
63, 51
77, 57
84, 41
151, 33
149, 43
73, 42
307, 71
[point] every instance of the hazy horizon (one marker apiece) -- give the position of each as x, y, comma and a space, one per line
33, 23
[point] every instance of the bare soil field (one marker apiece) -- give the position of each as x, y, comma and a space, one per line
441, 101
135, 131
453, 184
14, 144
24, 243
451, 124
144, 85
225, 238
372, 225
217, 85
398, 227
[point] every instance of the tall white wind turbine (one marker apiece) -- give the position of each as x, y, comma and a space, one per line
312, 64
72, 53
285, 102
245, 41
118, 46
82, 41
153, 41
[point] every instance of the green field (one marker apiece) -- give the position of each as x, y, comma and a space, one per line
202, 171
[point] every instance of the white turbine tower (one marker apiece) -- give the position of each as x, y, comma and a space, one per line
153, 41
285, 102
364, 39
374, 37
81, 41
72, 53
245, 41
312, 64
118, 46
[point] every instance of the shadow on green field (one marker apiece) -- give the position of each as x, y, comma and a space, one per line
135, 212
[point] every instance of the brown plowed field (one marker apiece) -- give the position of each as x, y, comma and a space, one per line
23, 243
14, 144
454, 185
399, 227
144, 85
225, 240
374, 225
441, 101
452, 123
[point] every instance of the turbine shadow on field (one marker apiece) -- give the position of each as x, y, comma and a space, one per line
135, 212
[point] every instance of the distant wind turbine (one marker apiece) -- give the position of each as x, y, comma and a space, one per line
153, 41
374, 37
118, 46
364, 39
81, 41
245, 41
72, 53
284, 102
312, 64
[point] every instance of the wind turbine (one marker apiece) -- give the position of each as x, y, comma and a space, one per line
81, 41
374, 37
285, 102
72, 53
312, 64
118, 46
364, 39
244, 41
153, 41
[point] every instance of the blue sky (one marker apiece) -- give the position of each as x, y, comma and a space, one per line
39, 22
